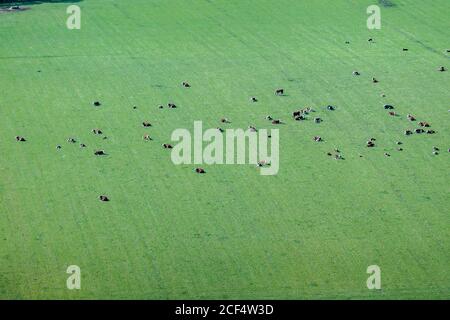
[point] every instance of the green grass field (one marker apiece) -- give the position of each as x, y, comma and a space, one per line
309, 232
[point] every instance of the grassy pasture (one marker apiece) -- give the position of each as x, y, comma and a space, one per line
308, 232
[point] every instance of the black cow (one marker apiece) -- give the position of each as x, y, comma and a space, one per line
279, 92
99, 153
104, 198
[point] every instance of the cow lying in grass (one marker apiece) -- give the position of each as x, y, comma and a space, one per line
99, 153
103, 198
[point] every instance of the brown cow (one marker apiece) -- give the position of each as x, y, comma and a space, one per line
200, 170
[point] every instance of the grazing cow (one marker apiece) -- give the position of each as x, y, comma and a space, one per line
400, 149
424, 124
370, 144
388, 107
220, 129
410, 117
225, 120
134, 107
299, 118
104, 198
185, 84
279, 92
374, 80
97, 103
408, 132
392, 113
99, 153
331, 108
171, 105
370, 40
431, 132
82, 145
317, 120
200, 170
356, 73
146, 124
21, 139
399, 143
383, 95
329, 154
269, 118
161, 106
435, 153
147, 137
58, 147
277, 122
419, 131
442, 69
252, 129
97, 131
405, 49
71, 140
167, 146
387, 154
253, 99
318, 139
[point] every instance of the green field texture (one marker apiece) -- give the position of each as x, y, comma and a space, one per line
309, 232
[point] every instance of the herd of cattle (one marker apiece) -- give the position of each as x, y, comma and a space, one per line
297, 115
